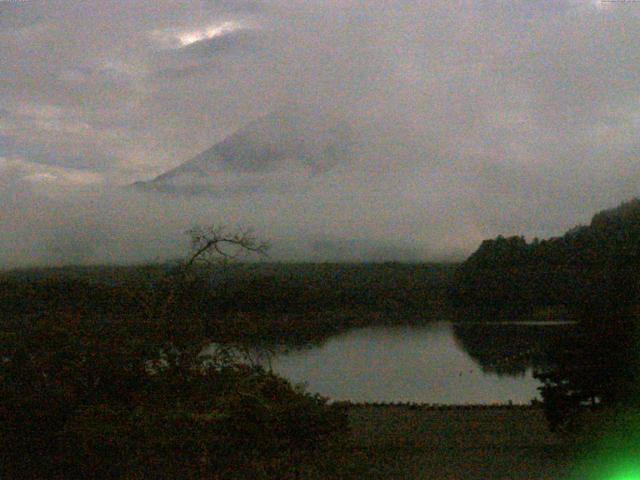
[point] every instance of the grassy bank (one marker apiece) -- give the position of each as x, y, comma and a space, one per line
414, 442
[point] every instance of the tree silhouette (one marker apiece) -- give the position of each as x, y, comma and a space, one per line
133, 396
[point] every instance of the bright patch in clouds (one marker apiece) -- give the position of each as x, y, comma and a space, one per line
592, 4
601, 4
187, 38
177, 38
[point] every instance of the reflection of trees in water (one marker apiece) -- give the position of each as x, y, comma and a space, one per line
263, 350
503, 349
509, 349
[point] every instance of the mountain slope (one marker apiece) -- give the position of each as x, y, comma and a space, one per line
277, 150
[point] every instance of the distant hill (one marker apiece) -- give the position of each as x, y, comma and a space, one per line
590, 267
270, 152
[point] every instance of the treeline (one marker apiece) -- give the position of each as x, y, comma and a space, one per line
103, 376
593, 272
259, 288
590, 267
291, 303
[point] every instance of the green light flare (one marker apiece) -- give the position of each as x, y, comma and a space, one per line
626, 475
614, 452
610, 469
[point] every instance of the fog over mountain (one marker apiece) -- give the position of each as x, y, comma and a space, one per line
282, 150
336, 129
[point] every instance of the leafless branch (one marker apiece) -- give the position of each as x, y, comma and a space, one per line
218, 244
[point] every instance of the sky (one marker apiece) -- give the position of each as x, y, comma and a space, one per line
474, 118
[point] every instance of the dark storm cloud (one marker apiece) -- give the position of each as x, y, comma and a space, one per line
474, 118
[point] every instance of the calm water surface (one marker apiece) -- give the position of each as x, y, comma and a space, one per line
404, 364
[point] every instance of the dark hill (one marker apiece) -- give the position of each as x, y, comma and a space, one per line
590, 267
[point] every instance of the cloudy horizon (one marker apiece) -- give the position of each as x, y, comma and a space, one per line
473, 119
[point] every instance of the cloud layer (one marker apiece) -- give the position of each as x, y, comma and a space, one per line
476, 118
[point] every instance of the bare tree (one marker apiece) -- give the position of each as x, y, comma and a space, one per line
215, 245
212, 245
218, 244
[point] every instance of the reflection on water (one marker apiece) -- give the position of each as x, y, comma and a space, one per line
436, 363
510, 348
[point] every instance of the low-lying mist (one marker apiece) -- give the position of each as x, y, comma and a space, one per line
463, 120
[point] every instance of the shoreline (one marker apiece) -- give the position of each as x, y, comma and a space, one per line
436, 406
501, 441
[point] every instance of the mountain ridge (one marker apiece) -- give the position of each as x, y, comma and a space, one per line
280, 145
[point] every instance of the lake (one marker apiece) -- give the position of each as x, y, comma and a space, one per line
441, 363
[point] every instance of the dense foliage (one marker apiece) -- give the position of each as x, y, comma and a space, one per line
595, 266
88, 399
292, 303
248, 287
593, 272
595, 367
119, 380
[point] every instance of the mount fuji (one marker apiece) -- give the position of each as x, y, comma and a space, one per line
279, 151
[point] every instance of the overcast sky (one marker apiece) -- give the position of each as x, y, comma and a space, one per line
476, 118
